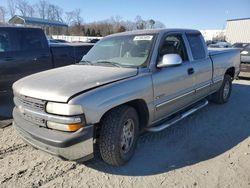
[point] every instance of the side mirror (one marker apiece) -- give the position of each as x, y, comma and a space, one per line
170, 60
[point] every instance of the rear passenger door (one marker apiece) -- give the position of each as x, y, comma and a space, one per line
201, 64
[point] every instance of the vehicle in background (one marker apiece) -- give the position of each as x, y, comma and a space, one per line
241, 46
245, 62
69, 53
94, 40
127, 83
57, 41
245, 58
24, 51
208, 42
220, 45
61, 41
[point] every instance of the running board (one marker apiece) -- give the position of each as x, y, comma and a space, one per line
179, 118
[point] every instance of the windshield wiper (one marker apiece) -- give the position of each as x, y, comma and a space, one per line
109, 62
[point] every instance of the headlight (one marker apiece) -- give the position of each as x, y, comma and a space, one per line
63, 109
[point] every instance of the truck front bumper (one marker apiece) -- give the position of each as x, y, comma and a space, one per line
77, 146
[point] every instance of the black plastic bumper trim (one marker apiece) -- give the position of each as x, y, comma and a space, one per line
52, 137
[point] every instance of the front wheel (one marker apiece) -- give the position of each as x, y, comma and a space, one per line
119, 133
223, 94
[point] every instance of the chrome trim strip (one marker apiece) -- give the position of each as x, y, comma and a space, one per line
219, 80
50, 117
202, 87
47, 117
173, 99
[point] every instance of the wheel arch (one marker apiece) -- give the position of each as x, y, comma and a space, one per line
231, 72
141, 108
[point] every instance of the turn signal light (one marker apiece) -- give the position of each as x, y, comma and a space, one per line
64, 127
74, 127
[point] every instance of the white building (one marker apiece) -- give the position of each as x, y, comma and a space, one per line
238, 30
212, 34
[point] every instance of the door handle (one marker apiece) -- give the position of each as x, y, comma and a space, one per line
190, 71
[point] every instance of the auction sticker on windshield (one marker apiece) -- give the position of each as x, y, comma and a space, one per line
143, 37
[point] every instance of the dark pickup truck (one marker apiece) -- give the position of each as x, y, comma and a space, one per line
24, 51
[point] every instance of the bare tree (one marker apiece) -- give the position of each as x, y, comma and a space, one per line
12, 7
140, 23
75, 20
22, 6
151, 23
121, 29
116, 24
30, 11
69, 17
77, 15
130, 25
54, 12
42, 8
3, 13
159, 25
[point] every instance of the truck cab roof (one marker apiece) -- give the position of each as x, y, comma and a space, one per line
18, 27
154, 31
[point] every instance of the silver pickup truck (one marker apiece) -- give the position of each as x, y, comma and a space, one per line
126, 84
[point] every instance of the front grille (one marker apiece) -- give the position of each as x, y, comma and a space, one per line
33, 119
33, 107
30, 103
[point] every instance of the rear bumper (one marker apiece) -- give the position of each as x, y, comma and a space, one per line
77, 146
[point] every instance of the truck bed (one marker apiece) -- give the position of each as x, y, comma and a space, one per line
216, 51
224, 57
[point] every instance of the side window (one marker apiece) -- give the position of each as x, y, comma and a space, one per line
5, 44
196, 46
31, 40
173, 44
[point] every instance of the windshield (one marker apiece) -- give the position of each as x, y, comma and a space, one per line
121, 51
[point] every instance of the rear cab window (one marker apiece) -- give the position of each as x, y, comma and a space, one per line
196, 46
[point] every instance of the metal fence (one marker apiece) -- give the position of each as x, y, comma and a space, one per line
74, 38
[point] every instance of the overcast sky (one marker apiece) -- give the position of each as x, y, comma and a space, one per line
197, 14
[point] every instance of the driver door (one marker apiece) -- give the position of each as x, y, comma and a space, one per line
174, 85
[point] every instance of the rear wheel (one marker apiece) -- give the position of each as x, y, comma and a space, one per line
119, 133
223, 94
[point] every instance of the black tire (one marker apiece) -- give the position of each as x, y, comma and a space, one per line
222, 96
112, 135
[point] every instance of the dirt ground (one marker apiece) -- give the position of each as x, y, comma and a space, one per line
209, 149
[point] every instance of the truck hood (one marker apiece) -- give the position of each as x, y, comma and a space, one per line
62, 83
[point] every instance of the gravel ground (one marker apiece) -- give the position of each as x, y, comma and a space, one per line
209, 149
